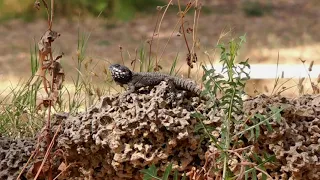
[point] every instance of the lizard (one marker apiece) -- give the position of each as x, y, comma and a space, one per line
122, 75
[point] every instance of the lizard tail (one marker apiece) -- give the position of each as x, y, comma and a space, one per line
187, 84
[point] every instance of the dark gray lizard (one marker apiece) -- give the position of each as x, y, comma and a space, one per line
135, 80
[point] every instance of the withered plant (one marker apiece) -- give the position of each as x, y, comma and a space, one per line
51, 75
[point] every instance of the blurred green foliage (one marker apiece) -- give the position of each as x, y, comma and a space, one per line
117, 9
254, 8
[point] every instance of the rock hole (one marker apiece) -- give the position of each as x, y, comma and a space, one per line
105, 120
299, 150
3, 166
197, 160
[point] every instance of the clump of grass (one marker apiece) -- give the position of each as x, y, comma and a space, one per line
20, 116
303, 82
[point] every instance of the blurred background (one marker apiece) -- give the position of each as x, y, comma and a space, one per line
277, 31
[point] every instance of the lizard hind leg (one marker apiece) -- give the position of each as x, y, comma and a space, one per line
170, 83
172, 91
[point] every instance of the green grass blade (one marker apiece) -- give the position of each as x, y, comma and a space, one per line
174, 65
167, 172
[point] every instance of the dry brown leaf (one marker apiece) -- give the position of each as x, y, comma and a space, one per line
59, 57
45, 42
35, 168
62, 167
37, 5
58, 76
315, 88
42, 103
44, 50
310, 66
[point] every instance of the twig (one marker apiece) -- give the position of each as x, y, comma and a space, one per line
167, 6
70, 165
153, 34
175, 27
48, 151
276, 80
47, 8
120, 47
51, 16
32, 155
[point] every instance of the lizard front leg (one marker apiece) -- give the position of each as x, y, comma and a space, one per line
131, 88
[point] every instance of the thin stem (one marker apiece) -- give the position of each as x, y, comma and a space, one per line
51, 16
150, 43
160, 26
47, 155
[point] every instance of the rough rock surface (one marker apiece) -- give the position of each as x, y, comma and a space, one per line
122, 135
296, 140
13, 155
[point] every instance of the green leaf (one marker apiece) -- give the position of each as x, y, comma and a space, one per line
269, 127
167, 172
150, 173
251, 134
264, 176
184, 176
175, 175
261, 117
258, 159
174, 64
242, 39
254, 174
276, 111
246, 174
257, 132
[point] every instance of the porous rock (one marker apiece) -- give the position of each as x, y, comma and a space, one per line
118, 137
295, 140
13, 156
122, 135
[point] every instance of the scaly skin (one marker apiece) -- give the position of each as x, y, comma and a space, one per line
135, 80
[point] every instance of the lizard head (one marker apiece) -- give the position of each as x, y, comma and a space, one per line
120, 74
